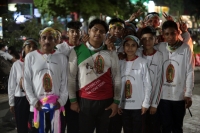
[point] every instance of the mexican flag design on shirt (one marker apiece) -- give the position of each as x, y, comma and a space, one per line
95, 78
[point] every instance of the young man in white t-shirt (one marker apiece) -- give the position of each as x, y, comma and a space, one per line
73, 33
178, 79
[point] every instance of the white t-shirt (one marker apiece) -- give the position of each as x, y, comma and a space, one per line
64, 48
178, 72
16, 73
45, 75
136, 75
6, 55
155, 70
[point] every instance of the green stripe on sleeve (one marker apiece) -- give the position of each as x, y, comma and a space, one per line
116, 102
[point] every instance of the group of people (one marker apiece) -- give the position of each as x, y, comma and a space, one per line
116, 76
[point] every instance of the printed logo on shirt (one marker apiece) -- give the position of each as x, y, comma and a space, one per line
47, 83
170, 72
128, 89
89, 68
99, 64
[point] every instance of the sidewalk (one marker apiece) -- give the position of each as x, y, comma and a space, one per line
191, 124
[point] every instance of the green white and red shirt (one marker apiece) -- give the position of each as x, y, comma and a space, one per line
98, 74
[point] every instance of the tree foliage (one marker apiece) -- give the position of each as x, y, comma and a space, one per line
195, 9
87, 8
13, 33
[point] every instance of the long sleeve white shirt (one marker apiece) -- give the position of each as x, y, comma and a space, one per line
37, 65
137, 73
154, 62
182, 80
16, 73
64, 48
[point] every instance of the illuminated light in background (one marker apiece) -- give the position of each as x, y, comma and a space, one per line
11, 7
151, 6
50, 22
37, 13
24, 38
145, 3
19, 18
108, 19
81, 20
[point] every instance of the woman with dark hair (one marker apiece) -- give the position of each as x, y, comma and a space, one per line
19, 105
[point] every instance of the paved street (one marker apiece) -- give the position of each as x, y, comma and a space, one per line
191, 124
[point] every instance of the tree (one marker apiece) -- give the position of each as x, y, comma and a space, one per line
87, 8
195, 4
13, 32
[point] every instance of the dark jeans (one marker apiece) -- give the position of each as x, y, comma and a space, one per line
22, 108
115, 125
171, 114
93, 114
152, 123
133, 121
32, 129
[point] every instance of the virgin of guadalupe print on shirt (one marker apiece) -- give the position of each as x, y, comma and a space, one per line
99, 64
170, 73
47, 82
128, 89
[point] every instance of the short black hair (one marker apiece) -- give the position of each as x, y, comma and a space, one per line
169, 24
154, 13
98, 21
2, 46
74, 25
114, 20
148, 30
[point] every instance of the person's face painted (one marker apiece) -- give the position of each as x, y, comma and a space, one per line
170, 35
97, 33
47, 42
